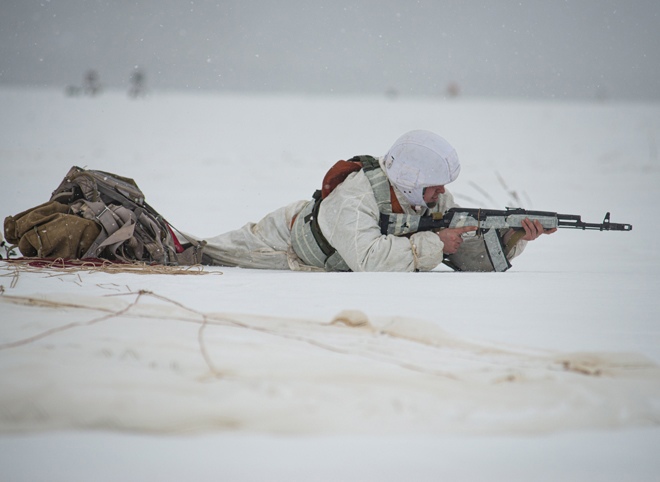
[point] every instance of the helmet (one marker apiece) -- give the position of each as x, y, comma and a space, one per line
419, 159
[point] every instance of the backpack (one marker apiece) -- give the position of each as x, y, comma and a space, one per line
96, 214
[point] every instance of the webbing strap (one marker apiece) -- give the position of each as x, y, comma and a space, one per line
118, 226
312, 219
379, 183
396, 224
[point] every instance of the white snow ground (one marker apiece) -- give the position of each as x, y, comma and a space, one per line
546, 372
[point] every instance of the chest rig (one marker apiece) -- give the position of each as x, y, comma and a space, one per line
308, 240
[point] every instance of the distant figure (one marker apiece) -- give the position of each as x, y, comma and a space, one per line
91, 83
453, 89
137, 84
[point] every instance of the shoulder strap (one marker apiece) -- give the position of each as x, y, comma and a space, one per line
380, 184
392, 218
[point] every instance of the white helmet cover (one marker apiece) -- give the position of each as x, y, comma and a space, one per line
419, 159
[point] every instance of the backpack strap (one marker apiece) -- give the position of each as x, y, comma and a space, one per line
117, 222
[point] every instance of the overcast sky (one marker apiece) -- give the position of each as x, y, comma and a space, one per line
562, 49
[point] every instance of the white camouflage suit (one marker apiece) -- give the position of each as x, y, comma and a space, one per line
349, 220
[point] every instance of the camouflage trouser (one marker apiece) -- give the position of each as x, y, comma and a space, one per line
262, 245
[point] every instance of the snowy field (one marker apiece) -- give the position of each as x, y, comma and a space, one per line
550, 371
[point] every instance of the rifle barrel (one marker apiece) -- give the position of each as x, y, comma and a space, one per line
574, 221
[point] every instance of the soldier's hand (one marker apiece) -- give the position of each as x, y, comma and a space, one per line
533, 229
453, 238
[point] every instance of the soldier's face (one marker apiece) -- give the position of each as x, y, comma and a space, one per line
431, 194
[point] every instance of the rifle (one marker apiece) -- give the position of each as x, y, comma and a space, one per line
489, 221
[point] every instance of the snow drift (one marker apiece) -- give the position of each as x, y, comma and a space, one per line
143, 363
